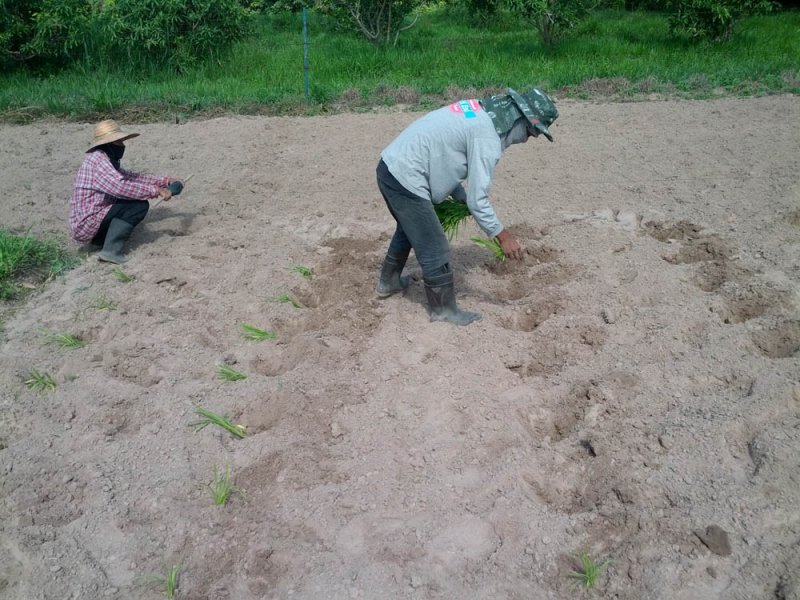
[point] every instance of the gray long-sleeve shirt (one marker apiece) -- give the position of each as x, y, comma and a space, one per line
445, 147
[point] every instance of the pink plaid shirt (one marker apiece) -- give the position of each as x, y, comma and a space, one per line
97, 185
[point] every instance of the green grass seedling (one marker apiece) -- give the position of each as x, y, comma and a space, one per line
590, 570
171, 580
249, 332
168, 582
40, 382
288, 299
493, 246
64, 340
221, 487
228, 373
122, 276
304, 271
210, 418
103, 303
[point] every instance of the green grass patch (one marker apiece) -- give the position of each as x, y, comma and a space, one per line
211, 418
250, 332
445, 56
26, 261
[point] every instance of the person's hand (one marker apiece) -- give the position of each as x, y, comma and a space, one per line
164, 193
509, 244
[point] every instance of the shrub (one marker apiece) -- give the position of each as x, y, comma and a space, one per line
711, 19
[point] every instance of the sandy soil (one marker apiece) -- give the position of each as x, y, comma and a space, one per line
633, 390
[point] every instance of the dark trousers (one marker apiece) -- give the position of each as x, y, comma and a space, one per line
418, 226
130, 211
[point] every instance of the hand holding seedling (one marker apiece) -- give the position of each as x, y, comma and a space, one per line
510, 245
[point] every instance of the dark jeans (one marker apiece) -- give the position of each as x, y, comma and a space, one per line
418, 226
130, 211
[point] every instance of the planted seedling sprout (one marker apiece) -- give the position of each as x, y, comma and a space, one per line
493, 246
288, 299
64, 340
40, 382
250, 332
221, 487
122, 276
590, 571
304, 271
228, 373
210, 418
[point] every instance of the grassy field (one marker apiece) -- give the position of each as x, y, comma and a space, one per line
614, 54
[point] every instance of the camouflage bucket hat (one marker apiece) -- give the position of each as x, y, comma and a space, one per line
536, 106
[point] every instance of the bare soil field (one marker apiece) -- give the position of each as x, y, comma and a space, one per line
632, 391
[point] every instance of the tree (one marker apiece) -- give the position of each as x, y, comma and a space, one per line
553, 19
380, 21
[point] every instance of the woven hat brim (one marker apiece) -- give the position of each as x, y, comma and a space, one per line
112, 137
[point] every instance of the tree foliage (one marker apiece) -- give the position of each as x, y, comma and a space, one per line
380, 21
132, 33
711, 19
553, 19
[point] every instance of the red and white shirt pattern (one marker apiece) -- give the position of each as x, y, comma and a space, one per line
97, 185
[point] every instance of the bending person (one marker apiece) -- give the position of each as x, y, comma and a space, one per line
428, 162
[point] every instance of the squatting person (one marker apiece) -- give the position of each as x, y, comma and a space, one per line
108, 201
428, 162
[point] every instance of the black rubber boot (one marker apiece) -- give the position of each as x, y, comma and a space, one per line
390, 281
118, 233
442, 299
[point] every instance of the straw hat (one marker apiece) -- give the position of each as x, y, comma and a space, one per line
108, 131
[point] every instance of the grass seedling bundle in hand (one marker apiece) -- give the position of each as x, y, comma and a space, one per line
452, 215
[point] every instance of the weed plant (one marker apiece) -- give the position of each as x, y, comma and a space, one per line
249, 332
40, 382
121, 275
590, 571
228, 373
221, 487
211, 418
